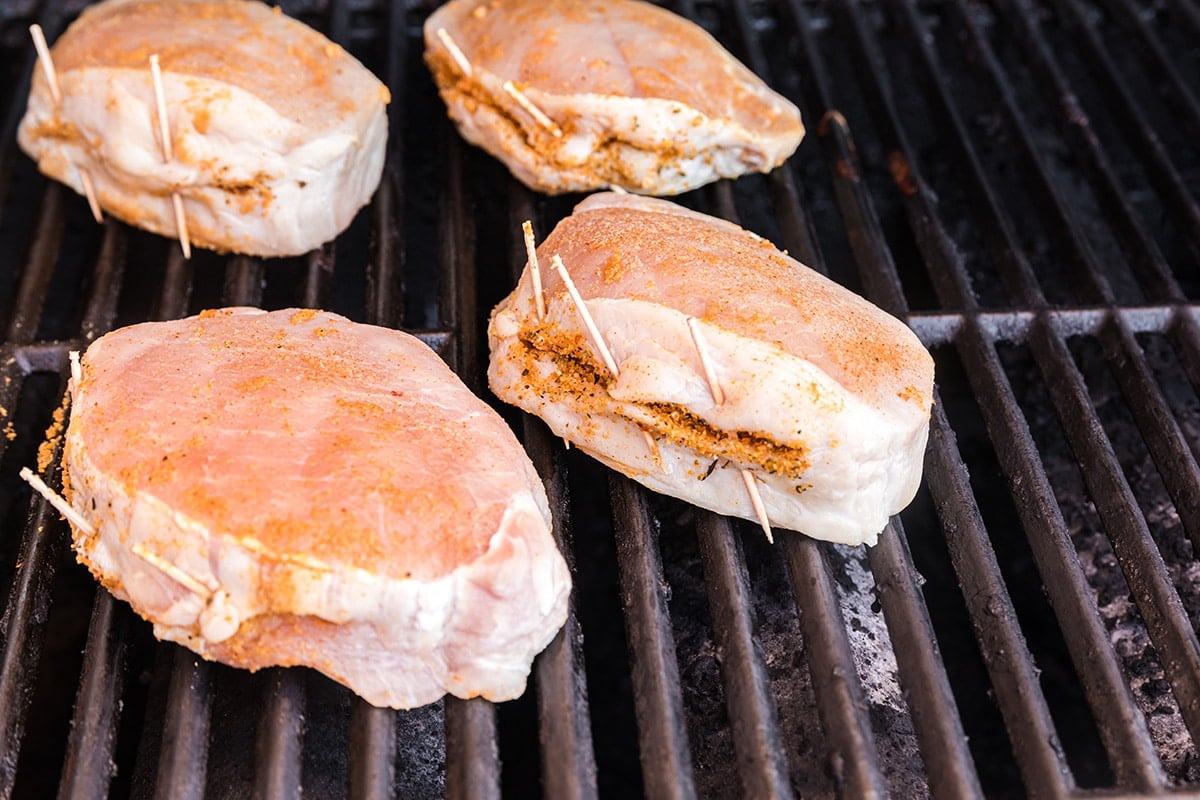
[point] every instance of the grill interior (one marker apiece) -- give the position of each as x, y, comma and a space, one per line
1016, 179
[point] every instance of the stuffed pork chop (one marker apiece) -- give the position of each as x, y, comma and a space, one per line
817, 396
583, 94
295, 488
278, 135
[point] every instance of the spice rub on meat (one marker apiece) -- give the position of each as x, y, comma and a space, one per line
277, 134
825, 399
295, 488
576, 95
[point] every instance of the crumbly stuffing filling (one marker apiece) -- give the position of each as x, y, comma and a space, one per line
579, 377
606, 162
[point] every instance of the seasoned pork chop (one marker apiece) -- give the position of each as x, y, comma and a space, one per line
583, 94
825, 398
295, 488
278, 134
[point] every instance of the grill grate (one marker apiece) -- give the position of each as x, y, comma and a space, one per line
1019, 180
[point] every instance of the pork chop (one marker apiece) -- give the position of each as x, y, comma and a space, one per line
278, 133
575, 95
825, 398
294, 488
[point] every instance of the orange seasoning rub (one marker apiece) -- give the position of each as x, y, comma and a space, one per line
295, 488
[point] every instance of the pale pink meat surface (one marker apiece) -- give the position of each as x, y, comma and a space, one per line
634, 95
343, 500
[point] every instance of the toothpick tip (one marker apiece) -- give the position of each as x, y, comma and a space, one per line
89, 191
181, 228
760, 509
535, 272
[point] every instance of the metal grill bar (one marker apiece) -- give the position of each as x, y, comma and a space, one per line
948, 763
1128, 113
1160, 605
761, 761
23, 624
1159, 63
281, 736
995, 224
1092, 285
90, 766
372, 750
1140, 560
183, 759
1122, 727
1127, 762
1032, 732
1170, 451
28, 603
662, 736
838, 690
1164, 439
1139, 247
472, 756
35, 279
565, 736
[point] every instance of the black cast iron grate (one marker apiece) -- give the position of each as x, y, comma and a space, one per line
1021, 186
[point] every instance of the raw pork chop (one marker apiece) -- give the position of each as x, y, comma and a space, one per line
583, 94
278, 134
295, 488
826, 398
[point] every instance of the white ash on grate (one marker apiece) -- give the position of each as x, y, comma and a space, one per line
875, 661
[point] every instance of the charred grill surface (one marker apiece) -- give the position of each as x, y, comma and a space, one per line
1018, 180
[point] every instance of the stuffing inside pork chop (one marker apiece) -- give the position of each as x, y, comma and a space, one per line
574, 95
277, 135
812, 398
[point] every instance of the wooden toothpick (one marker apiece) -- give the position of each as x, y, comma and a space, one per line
160, 101
455, 53
89, 191
43, 51
535, 272
756, 500
710, 373
598, 340
76, 369
535, 112
653, 447
588, 322
194, 585
57, 500
714, 387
